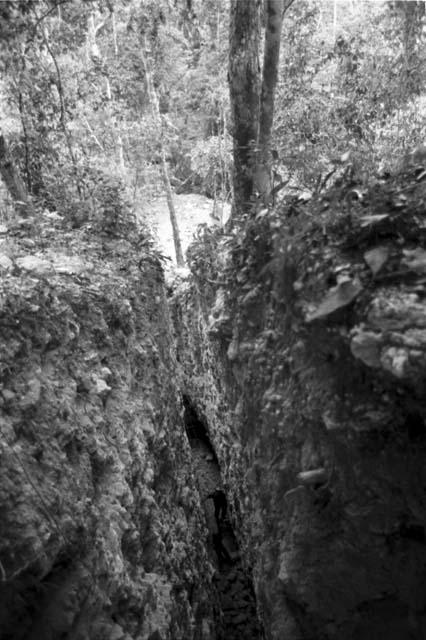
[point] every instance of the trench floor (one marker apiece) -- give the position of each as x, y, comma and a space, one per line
233, 583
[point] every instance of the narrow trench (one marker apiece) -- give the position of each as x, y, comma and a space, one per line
238, 618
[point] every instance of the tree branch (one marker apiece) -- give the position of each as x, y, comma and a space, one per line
51, 10
287, 5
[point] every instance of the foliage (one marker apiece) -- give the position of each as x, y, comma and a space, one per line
210, 162
344, 87
76, 110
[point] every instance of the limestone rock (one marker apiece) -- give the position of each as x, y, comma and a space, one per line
35, 264
32, 395
337, 298
6, 263
71, 265
313, 477
8, 395
376, 258
101, 388
365, 345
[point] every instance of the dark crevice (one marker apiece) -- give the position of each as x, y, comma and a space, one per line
237, 617
27, 613
415, 426
195, 427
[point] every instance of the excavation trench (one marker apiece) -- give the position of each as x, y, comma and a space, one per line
237, 617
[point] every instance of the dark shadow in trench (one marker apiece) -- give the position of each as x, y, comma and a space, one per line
238, 617
195, 428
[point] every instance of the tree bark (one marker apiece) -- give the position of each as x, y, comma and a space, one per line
155, 110
172, 212
414, 13
12, 179
274, 17
244, 87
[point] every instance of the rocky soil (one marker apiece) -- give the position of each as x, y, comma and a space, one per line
102, 534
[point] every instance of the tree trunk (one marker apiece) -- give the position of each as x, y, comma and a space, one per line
244, 87
114, 33
414, 13
274, 17
172, 212
155, 109
12, 179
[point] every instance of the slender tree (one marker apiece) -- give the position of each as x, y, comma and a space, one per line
244, 85
155, 110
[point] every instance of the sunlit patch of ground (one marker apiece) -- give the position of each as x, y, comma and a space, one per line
192, 209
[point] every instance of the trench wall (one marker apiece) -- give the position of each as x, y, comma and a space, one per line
102, 535
302, 338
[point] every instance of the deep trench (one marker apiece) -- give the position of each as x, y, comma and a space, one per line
237, 617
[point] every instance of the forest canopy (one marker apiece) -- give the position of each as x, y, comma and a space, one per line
80, 135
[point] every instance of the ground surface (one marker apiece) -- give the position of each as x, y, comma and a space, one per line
192, 209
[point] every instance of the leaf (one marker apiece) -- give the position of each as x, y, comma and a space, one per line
415, 259
367, 220
337, 298
376, 258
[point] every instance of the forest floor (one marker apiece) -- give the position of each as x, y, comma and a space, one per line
192, 209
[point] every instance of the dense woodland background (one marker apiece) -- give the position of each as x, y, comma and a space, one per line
101, 99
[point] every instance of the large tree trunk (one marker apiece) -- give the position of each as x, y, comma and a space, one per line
12, 179
274, 16
244, 86
155, 109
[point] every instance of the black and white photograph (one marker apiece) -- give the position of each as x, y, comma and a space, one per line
212, 319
